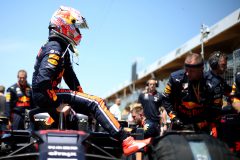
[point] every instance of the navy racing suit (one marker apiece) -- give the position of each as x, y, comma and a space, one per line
52, 64
217, 88
18, 99
186, 100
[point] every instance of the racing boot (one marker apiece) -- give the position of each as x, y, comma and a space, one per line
131, 146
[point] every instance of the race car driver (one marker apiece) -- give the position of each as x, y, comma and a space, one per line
53, 63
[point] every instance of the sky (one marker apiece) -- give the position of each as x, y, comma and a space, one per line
120, 33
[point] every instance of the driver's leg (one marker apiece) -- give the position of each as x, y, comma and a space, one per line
96, 105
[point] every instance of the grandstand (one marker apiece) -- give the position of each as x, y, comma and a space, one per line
224, 36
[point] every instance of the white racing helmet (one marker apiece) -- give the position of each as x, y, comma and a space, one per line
66, 22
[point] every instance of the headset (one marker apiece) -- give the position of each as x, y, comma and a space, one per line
156, 82
214, 58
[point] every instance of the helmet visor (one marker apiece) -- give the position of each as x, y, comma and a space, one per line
82, 24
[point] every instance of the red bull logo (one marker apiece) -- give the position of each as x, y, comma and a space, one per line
191, 105
191, 109
23, 99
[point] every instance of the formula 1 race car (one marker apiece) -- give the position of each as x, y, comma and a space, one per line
63, 142
83, 143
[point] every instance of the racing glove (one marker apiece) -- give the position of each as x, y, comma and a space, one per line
177, 124
177, 121
52, 95
79, 89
